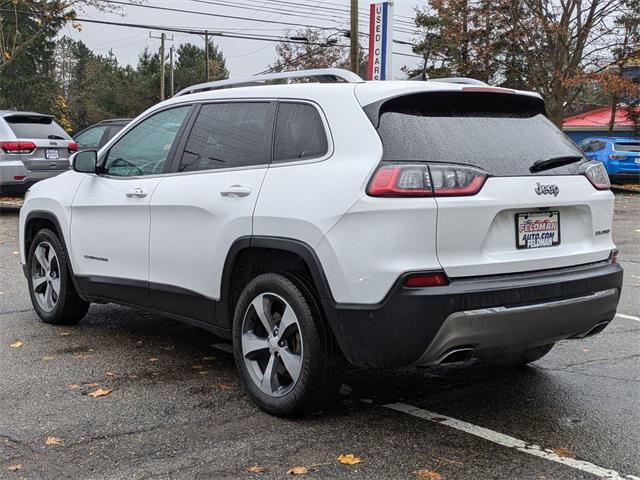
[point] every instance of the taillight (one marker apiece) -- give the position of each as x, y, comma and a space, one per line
423, 280
73, 147
18, 147
393, 179
615, 156
597, 175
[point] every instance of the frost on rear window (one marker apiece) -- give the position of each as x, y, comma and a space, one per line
500, 133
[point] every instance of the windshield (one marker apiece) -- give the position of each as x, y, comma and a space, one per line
501, 133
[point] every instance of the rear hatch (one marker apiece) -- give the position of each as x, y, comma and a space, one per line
49, 146
627, 154
520, 220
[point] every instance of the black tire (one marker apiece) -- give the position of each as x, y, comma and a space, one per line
322, 367
69, 308
519, 359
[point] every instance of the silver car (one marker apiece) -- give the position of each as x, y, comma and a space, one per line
33, 147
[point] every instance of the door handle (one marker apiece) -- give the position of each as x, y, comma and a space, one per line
236, 191
136, 192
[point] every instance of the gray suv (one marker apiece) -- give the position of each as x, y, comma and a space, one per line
32, 147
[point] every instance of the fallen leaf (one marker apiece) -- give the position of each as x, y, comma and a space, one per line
563, 452
168, 348
203, 372
224, 386
100, 393
16, 253
83, 356
64, 334
48, 359
196, 367
132, 376
256, 469
349, 459
428, 475
17, 344
111, 374
91, 385
54, 441
14, 468
637, 231
154, 360
586, 350
298, 471
208, 359
74, 386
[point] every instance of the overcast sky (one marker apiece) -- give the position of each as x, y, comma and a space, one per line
244, 57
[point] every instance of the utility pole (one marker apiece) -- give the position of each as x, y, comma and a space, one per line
206, 54
171, 84
355, 57
162, 38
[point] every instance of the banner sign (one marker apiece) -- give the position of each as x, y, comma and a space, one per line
380, 41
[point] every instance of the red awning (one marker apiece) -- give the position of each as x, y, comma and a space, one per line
598, 119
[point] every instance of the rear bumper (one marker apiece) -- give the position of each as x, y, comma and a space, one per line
15, 179
491, 315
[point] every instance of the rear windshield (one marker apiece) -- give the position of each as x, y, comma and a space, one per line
627, 147
501, 133
36, 127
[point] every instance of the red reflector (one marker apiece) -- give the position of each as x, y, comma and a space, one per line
421, 280
73, 147
18, 147
19, 178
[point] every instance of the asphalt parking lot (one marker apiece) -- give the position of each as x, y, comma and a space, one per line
175, 409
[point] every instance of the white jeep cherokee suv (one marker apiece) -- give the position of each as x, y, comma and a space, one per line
382, 223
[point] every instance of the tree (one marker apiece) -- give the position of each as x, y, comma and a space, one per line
314, 49
190, 67
551, 46
24, 22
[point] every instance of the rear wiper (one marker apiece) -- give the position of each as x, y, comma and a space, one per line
55, 137
553, 162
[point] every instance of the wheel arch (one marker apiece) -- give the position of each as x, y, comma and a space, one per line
35, 221
259, 254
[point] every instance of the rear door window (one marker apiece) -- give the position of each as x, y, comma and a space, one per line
36, 127
300, 133
504, 134
627, 146
90, 139
230, 135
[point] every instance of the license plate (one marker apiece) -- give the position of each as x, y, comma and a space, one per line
537, 229
637, 160
51, 154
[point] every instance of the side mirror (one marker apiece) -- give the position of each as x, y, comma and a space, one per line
85, 161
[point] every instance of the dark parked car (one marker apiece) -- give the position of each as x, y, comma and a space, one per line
95, 136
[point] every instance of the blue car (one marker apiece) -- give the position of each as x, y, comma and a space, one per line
621, 156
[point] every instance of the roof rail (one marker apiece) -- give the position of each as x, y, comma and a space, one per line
463, 80
322, 75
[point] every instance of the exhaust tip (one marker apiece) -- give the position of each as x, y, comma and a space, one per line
457, 355
596, 329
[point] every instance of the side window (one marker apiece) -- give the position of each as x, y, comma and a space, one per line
90, 139
598, 145
300, 133
145, 148
227, 135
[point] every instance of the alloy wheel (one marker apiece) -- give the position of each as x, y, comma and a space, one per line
272, 346
45, 276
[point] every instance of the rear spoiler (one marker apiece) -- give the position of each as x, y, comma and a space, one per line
443, 103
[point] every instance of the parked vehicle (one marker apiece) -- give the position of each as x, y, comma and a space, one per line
619, 155
95, 136
385, 224
33, 147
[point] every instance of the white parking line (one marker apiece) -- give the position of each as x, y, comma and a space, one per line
628, 317
510, 442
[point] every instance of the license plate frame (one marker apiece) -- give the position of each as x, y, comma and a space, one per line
534, 238
637, 160
51, 154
